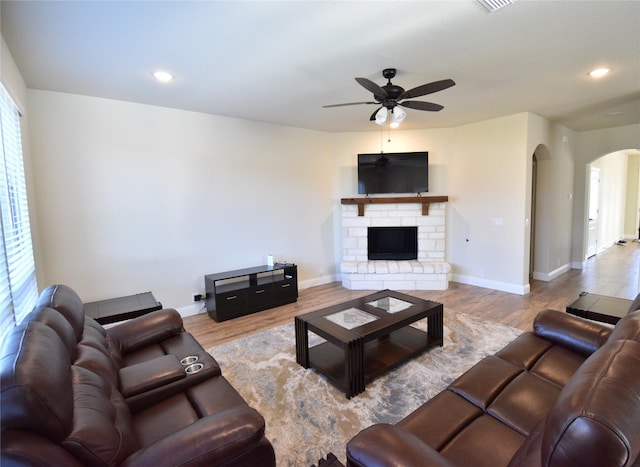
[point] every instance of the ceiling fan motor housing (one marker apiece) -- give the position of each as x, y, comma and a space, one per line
393, 91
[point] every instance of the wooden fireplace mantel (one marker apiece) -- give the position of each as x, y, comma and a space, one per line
424, 200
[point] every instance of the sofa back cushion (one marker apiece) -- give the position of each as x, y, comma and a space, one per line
35, 376
596, 417
59, 324
627, 328
66, 302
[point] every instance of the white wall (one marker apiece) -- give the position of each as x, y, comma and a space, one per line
133, 197
487, 212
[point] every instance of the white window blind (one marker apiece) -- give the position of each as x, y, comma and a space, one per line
18, 288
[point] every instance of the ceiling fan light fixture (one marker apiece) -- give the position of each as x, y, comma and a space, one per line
381, 115
397, 116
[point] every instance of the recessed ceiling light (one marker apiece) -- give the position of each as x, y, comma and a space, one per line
162, 76
599, 72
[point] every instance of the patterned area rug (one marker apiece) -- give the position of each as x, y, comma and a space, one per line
306, 417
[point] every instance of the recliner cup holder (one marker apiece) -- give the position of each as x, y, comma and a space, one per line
194, 368
189, 360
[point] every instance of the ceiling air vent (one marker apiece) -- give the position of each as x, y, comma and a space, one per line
493, 5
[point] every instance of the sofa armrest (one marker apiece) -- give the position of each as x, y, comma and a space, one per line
577, 334
143, 377
212, 440
388, 445
145, 330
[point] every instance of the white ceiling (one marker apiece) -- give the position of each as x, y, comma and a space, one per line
280, 61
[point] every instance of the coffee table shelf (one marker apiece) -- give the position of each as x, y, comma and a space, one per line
353, 356
381, 355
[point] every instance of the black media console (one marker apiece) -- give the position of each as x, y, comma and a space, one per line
244, 291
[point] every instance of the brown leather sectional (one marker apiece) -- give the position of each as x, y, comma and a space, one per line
565, 394
76, 394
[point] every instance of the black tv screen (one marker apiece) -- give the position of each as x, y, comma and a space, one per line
394, 172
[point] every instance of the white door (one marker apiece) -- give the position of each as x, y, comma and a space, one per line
592, 233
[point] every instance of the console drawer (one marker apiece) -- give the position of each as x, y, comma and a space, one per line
285, 291
231, 304
260, 297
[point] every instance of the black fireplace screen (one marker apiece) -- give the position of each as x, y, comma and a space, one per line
393, 243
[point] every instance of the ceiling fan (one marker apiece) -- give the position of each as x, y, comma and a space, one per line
388, 97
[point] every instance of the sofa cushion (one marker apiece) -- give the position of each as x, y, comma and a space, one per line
557, 365
66, 302
97, 361
59, 324
452, 412
485, 380
102, 429
476, 446
35, 376
596, 417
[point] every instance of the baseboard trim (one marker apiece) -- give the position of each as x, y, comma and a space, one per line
322, 280
523, 289
548, 276
193, 309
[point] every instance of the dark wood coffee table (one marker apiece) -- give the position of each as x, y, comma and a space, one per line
367, 337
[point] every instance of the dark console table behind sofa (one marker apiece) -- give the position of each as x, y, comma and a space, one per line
599, 307
117, 309
241, 292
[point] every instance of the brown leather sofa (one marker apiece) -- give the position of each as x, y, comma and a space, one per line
74, 393
565, 394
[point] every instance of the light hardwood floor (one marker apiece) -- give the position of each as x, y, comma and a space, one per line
613, 272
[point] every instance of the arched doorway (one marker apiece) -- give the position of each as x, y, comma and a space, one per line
539, 231
612, 195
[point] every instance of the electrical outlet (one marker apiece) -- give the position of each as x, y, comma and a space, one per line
197, 297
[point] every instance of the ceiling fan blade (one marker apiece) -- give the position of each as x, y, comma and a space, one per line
348, 103
427, 89
371, 86
418, 105
373, 115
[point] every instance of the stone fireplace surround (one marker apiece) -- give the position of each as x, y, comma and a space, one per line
429, 272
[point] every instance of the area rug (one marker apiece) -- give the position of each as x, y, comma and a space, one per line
306, 417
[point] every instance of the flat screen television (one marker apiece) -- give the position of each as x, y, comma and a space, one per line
393, 172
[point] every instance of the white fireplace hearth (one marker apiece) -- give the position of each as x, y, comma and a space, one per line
429, 271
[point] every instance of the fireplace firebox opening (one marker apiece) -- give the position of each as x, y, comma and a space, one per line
393, 243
